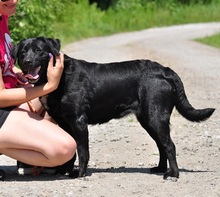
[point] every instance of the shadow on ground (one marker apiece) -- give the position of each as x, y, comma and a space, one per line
11, 174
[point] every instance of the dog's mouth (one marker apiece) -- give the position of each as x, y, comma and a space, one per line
33, 75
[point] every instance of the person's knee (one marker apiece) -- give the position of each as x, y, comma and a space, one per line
64, 152
69, 150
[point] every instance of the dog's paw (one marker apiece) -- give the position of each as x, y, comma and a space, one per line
169, 173
158, 170
74, 174
60, 171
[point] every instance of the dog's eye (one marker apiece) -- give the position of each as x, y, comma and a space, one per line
23, 52
37, 50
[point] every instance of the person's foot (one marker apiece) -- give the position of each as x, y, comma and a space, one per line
2, 175
25, 169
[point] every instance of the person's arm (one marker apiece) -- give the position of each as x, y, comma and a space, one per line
17, 96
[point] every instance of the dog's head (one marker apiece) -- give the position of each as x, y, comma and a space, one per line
33, 55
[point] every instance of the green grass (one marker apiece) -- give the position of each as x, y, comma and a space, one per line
211, 40
72, 20
84, 21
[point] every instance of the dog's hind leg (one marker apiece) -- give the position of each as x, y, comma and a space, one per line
159, 130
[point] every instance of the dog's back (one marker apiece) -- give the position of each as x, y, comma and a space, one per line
107, 91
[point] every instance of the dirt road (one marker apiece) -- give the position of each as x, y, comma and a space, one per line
121, 151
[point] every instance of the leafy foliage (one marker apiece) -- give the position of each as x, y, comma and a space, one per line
35, 18
71, 20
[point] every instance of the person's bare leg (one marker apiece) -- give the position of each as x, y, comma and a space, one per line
29, 138
37, 106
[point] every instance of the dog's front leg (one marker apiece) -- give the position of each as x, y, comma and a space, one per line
83, 153
68, 167
81, 135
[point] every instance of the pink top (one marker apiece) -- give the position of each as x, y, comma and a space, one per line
6, 61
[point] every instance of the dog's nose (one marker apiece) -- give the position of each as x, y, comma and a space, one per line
28, 62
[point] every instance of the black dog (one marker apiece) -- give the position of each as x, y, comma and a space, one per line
93, 93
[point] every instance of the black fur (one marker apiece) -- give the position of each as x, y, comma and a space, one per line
93, 93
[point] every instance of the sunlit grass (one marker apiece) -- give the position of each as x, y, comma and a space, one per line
83, 21
211, 40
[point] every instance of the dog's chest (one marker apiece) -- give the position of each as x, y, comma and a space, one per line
43, 100
52, 103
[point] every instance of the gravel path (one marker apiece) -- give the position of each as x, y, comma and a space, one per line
121, 151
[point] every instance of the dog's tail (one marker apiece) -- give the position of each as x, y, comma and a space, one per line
181, 102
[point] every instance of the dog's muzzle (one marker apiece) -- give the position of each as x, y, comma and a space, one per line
32, 75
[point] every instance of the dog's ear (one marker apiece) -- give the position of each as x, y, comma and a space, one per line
54, 44
14, 52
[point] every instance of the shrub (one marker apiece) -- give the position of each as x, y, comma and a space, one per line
35, 18
71, 20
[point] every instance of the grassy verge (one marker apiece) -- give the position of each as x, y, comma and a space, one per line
82, 21
211, 40
71, 20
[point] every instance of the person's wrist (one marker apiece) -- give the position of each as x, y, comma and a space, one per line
50, 87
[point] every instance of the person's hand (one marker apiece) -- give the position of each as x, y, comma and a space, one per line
21, 79
54, 73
